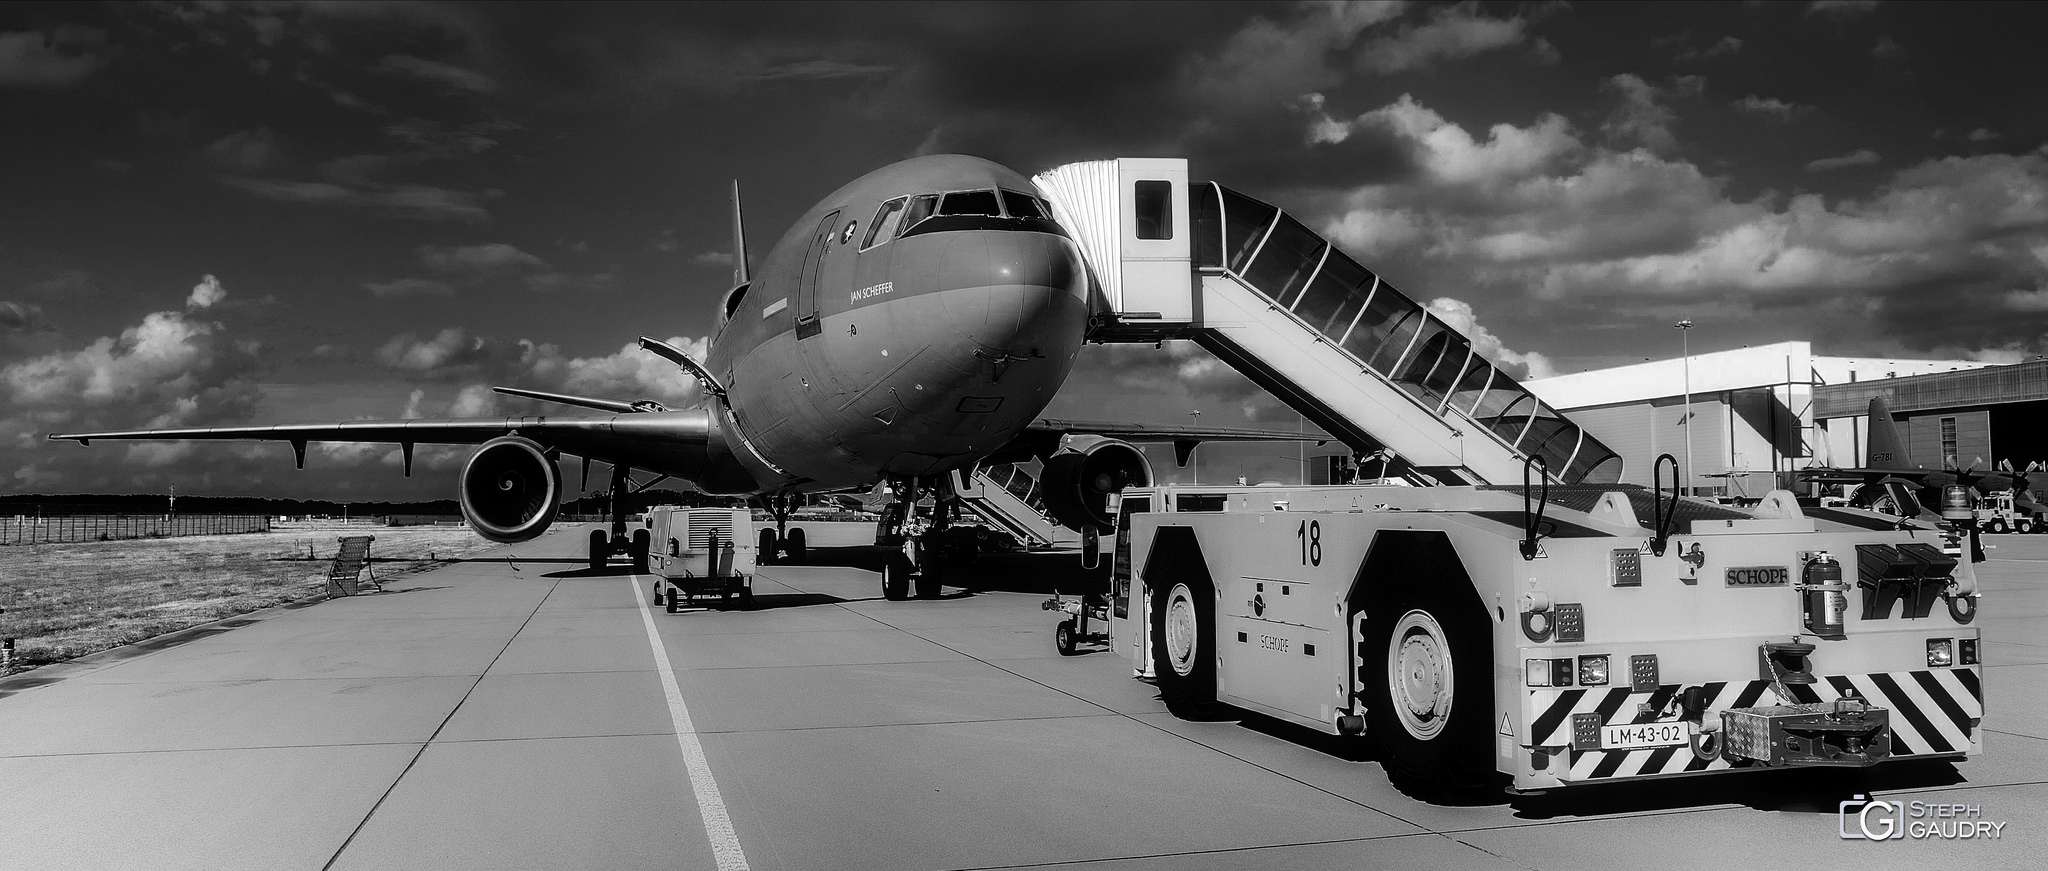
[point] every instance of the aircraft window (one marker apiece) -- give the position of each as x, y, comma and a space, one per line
1333, 299
970, 203
1244, 225
920, 208
1208, 221
1023, 205
1289, 257
886, 221
1153, 201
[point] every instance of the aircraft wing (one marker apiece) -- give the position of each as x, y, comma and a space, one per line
609, 438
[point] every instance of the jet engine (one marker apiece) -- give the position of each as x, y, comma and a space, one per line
1078, 479
510, 490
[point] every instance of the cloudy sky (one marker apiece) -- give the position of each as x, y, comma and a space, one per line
234, 213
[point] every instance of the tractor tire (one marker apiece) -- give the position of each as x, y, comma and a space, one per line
673, 601
1429, 715
600, 548
1996, 526
1183, 648
764, 552
1063, 638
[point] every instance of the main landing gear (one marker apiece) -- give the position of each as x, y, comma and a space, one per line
604, 544
922, 545
790, 543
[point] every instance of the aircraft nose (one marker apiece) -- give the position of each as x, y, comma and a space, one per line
1032, 292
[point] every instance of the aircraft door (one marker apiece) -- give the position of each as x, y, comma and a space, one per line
814, 267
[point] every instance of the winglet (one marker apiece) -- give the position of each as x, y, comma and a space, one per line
739, 239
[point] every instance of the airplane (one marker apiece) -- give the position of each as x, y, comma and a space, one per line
913, 323
1889, 486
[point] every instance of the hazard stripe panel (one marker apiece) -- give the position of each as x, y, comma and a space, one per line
1931, 713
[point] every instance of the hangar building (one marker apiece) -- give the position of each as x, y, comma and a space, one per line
1758, 414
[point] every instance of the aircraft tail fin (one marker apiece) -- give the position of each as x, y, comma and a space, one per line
1887, 450
739, 239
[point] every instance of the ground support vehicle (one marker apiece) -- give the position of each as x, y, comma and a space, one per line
1087, 622
702, 553
1575, 635
2001, 513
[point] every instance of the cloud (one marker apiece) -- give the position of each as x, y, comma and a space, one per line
204, 294
1642, 118
573, 282
448, 76
456, 355
1841, 9
170, 369
1756, 105
1982, 134
19, 317
418, 202
818, 69
1452, 32
1859, 157
1888, 49
712, 258
408, 287
478, 259
248, 151
56, 59
1521, 366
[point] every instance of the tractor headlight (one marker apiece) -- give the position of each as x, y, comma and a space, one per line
1593, 670
1941, 652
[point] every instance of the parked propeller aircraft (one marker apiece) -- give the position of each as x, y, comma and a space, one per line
1888, 485
913, 323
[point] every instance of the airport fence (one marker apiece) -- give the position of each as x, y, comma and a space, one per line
58, 528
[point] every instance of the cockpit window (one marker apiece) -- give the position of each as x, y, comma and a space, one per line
919, 209
1023, 205
970, 203
883, 227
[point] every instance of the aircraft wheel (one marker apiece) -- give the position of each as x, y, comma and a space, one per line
1063, 638
798, 549
1429, 715
641, 542
1183, 631
600, 548
764, 552
896, 577
673, 602
1996, 526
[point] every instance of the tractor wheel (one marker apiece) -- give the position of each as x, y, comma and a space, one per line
600, 548
1430, 712
1183, 635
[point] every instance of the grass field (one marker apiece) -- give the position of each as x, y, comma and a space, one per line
67, 600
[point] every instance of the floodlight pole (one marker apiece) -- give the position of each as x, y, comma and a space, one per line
1684, 328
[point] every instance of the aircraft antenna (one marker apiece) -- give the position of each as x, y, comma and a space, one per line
739, 239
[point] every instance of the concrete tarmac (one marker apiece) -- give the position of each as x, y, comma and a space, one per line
510, 712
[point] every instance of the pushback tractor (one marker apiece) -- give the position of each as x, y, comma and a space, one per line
1561, 636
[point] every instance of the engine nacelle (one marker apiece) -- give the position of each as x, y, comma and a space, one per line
1078, 480
510, 490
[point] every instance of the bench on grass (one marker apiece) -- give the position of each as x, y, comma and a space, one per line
349, 563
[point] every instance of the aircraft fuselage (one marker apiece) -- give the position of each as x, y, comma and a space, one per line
910, 348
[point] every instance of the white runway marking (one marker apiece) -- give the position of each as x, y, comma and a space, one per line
717, 824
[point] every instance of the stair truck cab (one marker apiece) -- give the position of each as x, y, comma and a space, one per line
1576, 635
702, 552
